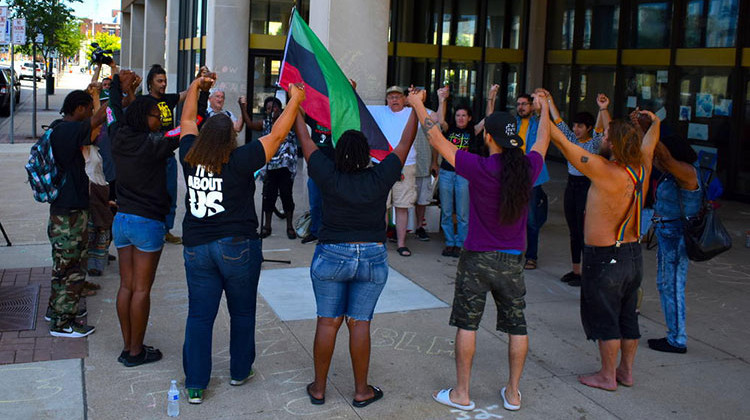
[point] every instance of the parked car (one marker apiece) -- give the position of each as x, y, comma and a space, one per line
28, 73
5, 91
17, 83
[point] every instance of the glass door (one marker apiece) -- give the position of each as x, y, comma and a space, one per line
264, 76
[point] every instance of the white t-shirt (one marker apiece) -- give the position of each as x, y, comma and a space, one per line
210, 113
392, 125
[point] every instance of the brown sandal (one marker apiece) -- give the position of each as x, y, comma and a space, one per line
530, 265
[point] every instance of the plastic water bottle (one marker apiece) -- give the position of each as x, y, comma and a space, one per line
173, 400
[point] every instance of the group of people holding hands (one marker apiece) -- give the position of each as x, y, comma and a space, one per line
609, 165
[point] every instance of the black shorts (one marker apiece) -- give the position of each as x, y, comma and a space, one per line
610, 281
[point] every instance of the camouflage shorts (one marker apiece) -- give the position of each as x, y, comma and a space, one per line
497, 272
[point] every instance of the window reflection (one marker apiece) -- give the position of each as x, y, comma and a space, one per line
601, 23
646, 87
595, 80
497, 19
557, 81
270, 17
561, 23
652, 23
462, 77
466, 26
418, 21
721, 26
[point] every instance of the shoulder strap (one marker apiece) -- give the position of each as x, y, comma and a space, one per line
637, 179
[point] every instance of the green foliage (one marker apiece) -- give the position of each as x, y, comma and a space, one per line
48, 17
69, 38
105, 41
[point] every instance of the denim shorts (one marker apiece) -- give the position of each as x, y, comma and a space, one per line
147, 235
348, 279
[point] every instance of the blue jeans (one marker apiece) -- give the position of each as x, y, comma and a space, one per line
171, 190
348, 279
147, 235
316, 203
454, 187
671, 274
233, 267
537, 218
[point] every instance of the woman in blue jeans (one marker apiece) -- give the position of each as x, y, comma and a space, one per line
350, 265
454, 189
678, 188
222, 248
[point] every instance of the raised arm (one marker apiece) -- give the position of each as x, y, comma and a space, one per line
283, 124
305, 141
443, 95
431, 130
188, 120
602, 118
554, 112
683, 172
95, 75
651, 138
491, 99
593, 166
240, 123
542, 135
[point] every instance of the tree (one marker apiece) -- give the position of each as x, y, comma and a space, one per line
46, 17
69, 38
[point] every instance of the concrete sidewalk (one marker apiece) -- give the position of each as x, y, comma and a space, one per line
412, 353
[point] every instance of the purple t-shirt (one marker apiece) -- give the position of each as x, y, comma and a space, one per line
485, 231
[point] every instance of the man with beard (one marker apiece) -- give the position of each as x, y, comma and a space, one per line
612, 260
528, 122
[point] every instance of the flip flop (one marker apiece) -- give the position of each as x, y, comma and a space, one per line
313, 400
404, 251
507, 405
378, 395
444, 397
530, 265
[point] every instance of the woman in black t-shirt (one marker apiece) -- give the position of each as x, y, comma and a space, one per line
350, 265
221, 246
463, 133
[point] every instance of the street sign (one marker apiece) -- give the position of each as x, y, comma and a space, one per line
4, 27
19, 31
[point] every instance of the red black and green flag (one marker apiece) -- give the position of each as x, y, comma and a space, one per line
329, 97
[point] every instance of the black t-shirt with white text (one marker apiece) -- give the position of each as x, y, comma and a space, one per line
221, 205
166, 106
66, 139
353, 203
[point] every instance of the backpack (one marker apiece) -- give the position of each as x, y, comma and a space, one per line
45, 178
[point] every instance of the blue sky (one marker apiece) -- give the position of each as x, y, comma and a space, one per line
98, 10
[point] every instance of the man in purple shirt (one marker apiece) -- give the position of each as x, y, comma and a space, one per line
492, 259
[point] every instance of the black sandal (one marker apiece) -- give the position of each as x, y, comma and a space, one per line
265, 232
404, 251
290, 233
145, 356
378, 395
313, 400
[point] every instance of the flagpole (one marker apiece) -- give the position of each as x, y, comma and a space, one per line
286, 47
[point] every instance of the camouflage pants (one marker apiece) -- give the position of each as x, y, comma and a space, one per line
499, 273
69, 238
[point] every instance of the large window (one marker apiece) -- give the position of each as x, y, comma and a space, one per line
562, 22
651, 23
557, 81
593, 81
601, 23
504, 23
270, 17
418, 21
646, 87
711, 23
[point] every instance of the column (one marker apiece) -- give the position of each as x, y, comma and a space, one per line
356, 34
535, 52
136, 38
173, 39
154, 25
125, 40
227, 38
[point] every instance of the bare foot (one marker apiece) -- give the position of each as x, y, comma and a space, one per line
453, 396
597, 380
624, 378
512, 397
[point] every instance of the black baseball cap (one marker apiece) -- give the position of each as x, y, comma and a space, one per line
502, 127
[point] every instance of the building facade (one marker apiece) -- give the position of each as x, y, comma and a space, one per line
687, 60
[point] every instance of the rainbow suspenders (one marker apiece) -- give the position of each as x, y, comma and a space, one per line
637, 179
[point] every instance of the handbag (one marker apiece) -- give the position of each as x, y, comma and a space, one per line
302, 225
705, 235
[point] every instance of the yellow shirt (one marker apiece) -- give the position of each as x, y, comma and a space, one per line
523, 130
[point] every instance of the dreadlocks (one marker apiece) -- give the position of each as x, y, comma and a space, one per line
75, 99
352, 152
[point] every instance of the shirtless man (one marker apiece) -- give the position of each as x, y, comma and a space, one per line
612, 260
